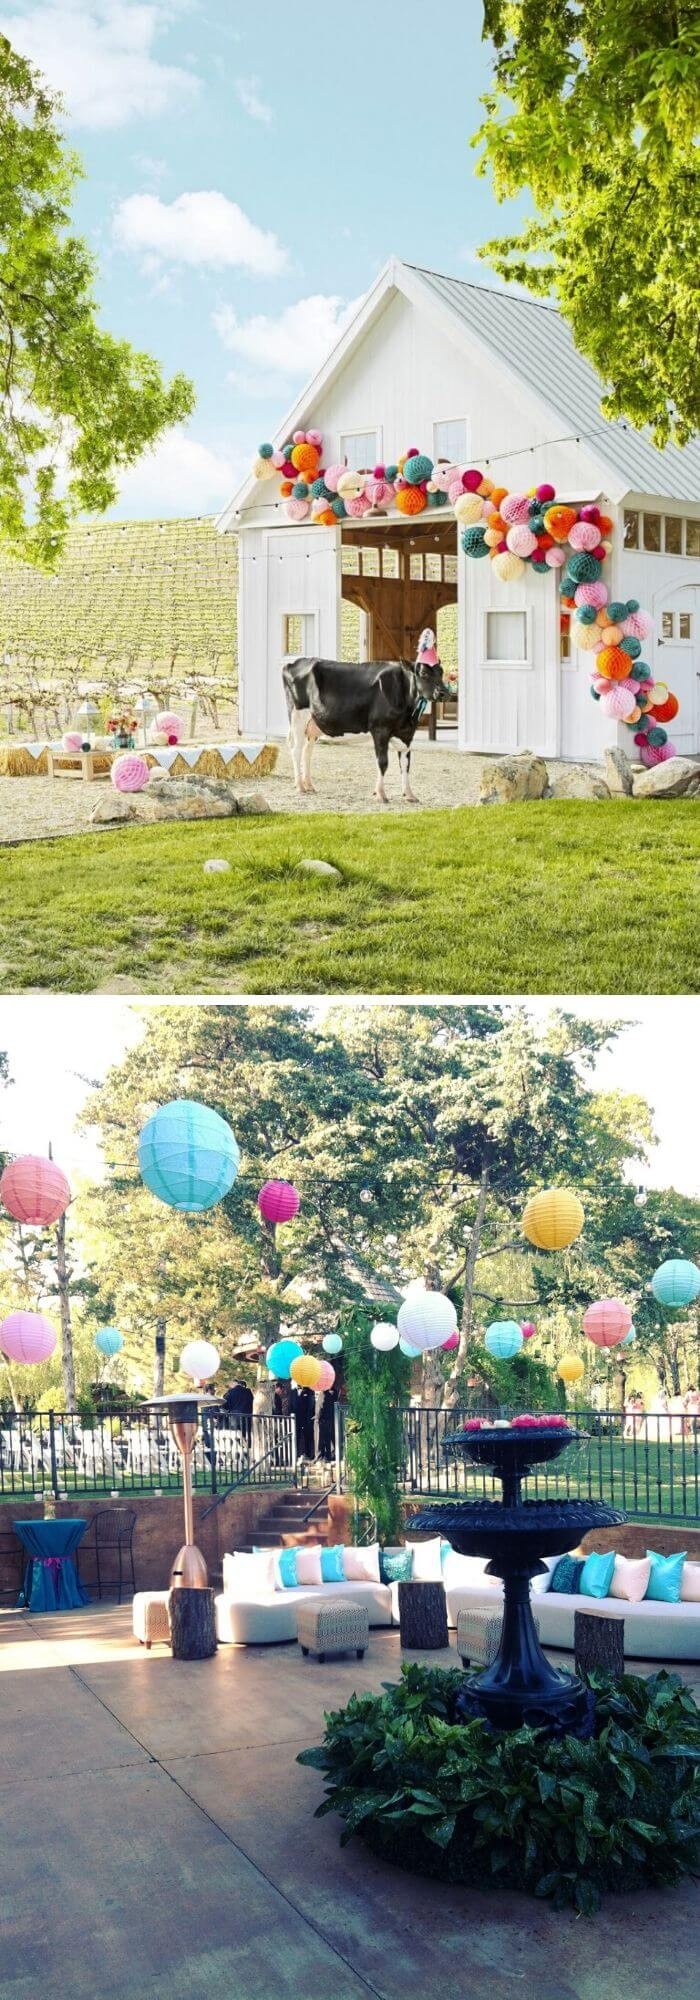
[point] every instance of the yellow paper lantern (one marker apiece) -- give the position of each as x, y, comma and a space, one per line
469, 507
586, 637
553, 1219
306, 1371
570, 1368
508, 566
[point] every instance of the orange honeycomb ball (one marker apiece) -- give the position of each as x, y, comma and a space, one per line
558, 521
498, 494
306, 459
412, 500
286, 489
613, 663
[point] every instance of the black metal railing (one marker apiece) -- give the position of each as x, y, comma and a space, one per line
647, 1465
134, 1453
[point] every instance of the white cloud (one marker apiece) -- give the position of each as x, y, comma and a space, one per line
197, 229
181, 476
248, 94
295, 343
99, 54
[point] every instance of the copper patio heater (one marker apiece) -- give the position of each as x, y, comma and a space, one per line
189, 1570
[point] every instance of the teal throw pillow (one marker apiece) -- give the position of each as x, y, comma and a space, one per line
287, 1566
396, 1567
597, 1575
664, 1586
332, 1570
566, 1576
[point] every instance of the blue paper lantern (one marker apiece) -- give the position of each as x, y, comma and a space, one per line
280, 1356
408, 1349
629, 1339
332, 1343
676, 1283
503, 1339
188, 1156
109, 1340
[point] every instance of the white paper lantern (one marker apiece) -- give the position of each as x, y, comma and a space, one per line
200, 1359
384, 1336
427, 1319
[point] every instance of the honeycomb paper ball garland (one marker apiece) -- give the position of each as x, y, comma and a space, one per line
516, 530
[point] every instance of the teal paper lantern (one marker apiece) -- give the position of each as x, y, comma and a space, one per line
676, 1283
629, 1339
280, 1356
188, 1156
409, 1350
332, 1343
503, 1339
109, 1340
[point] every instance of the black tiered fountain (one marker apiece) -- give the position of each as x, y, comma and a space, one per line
520, 1686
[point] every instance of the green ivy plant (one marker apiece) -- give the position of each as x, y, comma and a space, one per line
376, 1386
565, 1820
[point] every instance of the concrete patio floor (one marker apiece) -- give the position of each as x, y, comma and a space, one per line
157, 1839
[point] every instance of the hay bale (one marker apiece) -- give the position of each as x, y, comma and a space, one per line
15, 762
210, 764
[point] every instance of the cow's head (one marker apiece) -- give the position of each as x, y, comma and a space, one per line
430, 683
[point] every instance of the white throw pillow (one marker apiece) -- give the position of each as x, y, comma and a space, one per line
690, 1583
631, 1578
247, 1575
361, 1565
427, 1561
466, 1572
542, 1583
309, 1564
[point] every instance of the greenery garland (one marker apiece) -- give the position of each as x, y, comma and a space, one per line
377, 1385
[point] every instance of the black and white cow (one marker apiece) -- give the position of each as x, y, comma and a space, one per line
385, 698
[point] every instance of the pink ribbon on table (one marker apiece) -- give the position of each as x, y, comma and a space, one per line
54, 1564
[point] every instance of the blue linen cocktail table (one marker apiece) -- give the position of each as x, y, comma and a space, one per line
51, 1581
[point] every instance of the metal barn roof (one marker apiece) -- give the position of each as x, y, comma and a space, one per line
534, 341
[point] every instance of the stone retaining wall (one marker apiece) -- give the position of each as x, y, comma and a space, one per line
158, 1533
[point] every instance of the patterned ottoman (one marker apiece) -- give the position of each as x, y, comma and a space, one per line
150, 1617
333, 1627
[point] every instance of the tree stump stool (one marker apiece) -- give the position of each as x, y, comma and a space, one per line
599, 1643
422, 1616
192, 1624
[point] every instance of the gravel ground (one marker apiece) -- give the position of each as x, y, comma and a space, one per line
344, 776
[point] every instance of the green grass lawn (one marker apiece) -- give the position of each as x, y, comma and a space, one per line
658, 1482
564, 897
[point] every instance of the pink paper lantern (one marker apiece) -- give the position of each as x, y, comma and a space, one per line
297, 510
449, 1345
617, 703
331, 476
583, 535
455, 490
357, 504
555, 558
278, 1201
171, 725
27, 1337
515, 508
73, 740
638, 625
520, 539
130, 772
653, 753
326, 1377
592, 593
34, 1190
607, 1322
528, 1329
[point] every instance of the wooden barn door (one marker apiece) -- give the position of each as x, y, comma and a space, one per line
401, 578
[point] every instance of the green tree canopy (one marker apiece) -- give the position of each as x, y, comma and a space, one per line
593, 110
76, 405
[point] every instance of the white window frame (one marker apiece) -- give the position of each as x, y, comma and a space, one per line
447, 458
363, 430
524, 666
305, 650
674, 552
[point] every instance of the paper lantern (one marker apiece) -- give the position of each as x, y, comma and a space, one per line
570, 1368
665, 710
507, 566
650, 755
528, 1329
592, 593
280, 1356
677, 1282
617, 703
384, 1336
613, 663
34, 1190
558, 521
108, 1340
583, 535
426, 1319
411, 499
553, 1219
130, 773
332, 1343
503, 1339
306, 1371
629, 1338
409, 1350
188, 1156
279, 1201
521, 540
514, 508
348, 484
469, 508
326, 1377
199, 1359
449, 1345
607, 1322
263, 468
417, 468
27, 1338
297, 510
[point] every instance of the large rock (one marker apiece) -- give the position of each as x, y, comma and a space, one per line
667, 781
187, 798
514, 779
579, 781
252, 802
618, 771
112, 809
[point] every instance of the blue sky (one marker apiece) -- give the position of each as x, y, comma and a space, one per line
249, 169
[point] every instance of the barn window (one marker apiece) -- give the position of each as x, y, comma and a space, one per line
685, 625
652, 533
692, 538
298, 633
506, 636
450, 440
673, 535
361, 449
667, 624
631, 530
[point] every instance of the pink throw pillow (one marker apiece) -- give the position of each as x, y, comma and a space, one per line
362, 1565
690, 1583
631, 1578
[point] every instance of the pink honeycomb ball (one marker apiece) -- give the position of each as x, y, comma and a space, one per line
652, 753
515, 508
278, 460
314, 437
72, 740
444, 477
130, 773
172, 725
583, 535
521, 540
357, 504
555, 558
592, 593
297, 510
455, 491
638, 625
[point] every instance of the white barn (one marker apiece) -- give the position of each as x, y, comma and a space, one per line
488, 378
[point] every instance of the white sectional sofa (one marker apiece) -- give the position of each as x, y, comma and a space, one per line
265, 1618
